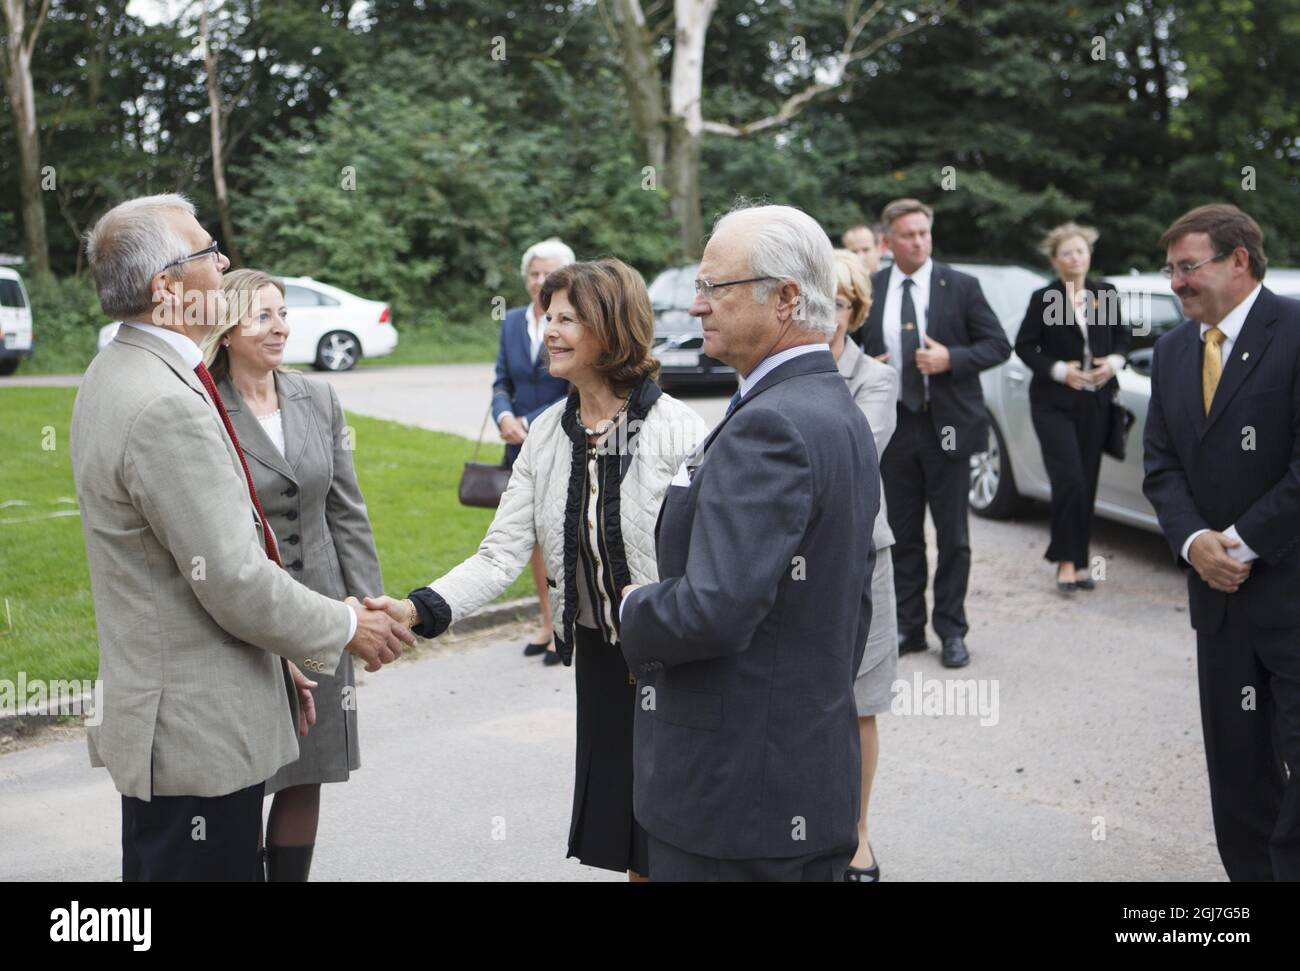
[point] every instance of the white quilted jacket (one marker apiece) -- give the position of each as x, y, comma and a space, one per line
532, 510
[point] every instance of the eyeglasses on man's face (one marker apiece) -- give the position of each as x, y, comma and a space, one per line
1187, 267
211, 250
707, 289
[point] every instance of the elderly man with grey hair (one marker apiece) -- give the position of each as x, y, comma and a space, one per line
191, 604
746, 753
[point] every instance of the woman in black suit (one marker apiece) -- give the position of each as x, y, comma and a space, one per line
1074, 340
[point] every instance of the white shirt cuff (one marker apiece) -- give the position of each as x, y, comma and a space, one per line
1059, 370
504, 415
524, 422
1117, 362
1187, 543
352, 627
1242, 553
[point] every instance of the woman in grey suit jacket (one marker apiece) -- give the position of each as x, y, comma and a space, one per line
292, 433
874, 387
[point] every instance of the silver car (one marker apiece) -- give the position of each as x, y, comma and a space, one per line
1011, 470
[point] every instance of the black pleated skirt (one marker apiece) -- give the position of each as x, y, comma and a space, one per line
603, 832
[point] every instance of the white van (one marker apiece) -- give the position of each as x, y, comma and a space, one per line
15, 321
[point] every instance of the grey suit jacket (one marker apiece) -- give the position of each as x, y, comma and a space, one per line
874, 387
746, 735
311, 498
189, 609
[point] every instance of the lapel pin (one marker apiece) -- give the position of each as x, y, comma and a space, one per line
1245, 355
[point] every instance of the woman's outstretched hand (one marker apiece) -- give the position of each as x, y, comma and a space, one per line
402, 611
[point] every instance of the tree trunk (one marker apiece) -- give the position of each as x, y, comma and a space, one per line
686, 122
644, 86
22, 102
218, 163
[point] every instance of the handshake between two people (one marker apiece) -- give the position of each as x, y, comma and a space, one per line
378, 641
381, 630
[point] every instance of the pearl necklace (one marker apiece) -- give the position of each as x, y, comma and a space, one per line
609, 422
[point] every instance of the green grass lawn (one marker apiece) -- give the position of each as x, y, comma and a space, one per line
459, 345
47, 622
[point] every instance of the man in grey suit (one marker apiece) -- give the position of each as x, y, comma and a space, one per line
190, 602
746, 743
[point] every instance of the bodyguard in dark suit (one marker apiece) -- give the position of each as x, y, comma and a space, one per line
939, 333
1074, 340
1223, 473
746, 746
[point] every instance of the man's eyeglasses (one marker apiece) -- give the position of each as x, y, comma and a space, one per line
708, 289
212, 251
1187, 268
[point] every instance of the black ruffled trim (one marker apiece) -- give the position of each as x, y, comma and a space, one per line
435, 613
612, 465
572, 504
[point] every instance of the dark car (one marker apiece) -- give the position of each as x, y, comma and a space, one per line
679, 339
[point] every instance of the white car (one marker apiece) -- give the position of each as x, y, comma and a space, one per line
329, 328
15, 321
1011, 470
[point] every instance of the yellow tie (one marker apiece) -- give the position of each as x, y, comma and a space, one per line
1212, 366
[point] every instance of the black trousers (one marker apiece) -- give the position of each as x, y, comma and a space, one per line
917, 471
192, 838
670, 864
1256, 806
1072, 437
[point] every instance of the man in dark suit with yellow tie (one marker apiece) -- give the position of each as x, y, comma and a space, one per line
1222, 452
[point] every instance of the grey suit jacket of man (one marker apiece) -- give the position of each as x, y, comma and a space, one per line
315, 507
187, 604
746, 737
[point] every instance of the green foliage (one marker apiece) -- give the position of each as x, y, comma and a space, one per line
476, 127
428, 197
65, 324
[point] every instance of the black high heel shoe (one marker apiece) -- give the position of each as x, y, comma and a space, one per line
532, 650
870, 874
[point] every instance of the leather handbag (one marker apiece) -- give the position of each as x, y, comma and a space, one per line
1121, 420
482, 484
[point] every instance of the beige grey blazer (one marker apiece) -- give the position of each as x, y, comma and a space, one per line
318, 515
189, 610
874, 387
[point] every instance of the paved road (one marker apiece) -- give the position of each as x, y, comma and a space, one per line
1094, 769
1096, 727
440, 397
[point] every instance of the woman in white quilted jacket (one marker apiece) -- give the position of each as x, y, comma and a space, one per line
586, 487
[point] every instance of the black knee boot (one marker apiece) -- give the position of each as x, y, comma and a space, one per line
288, 864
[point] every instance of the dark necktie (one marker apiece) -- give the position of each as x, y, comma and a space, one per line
913, 391
731, 405
206, 378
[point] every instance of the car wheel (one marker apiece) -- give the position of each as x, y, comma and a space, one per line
337, 351
8, 367
992, 485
